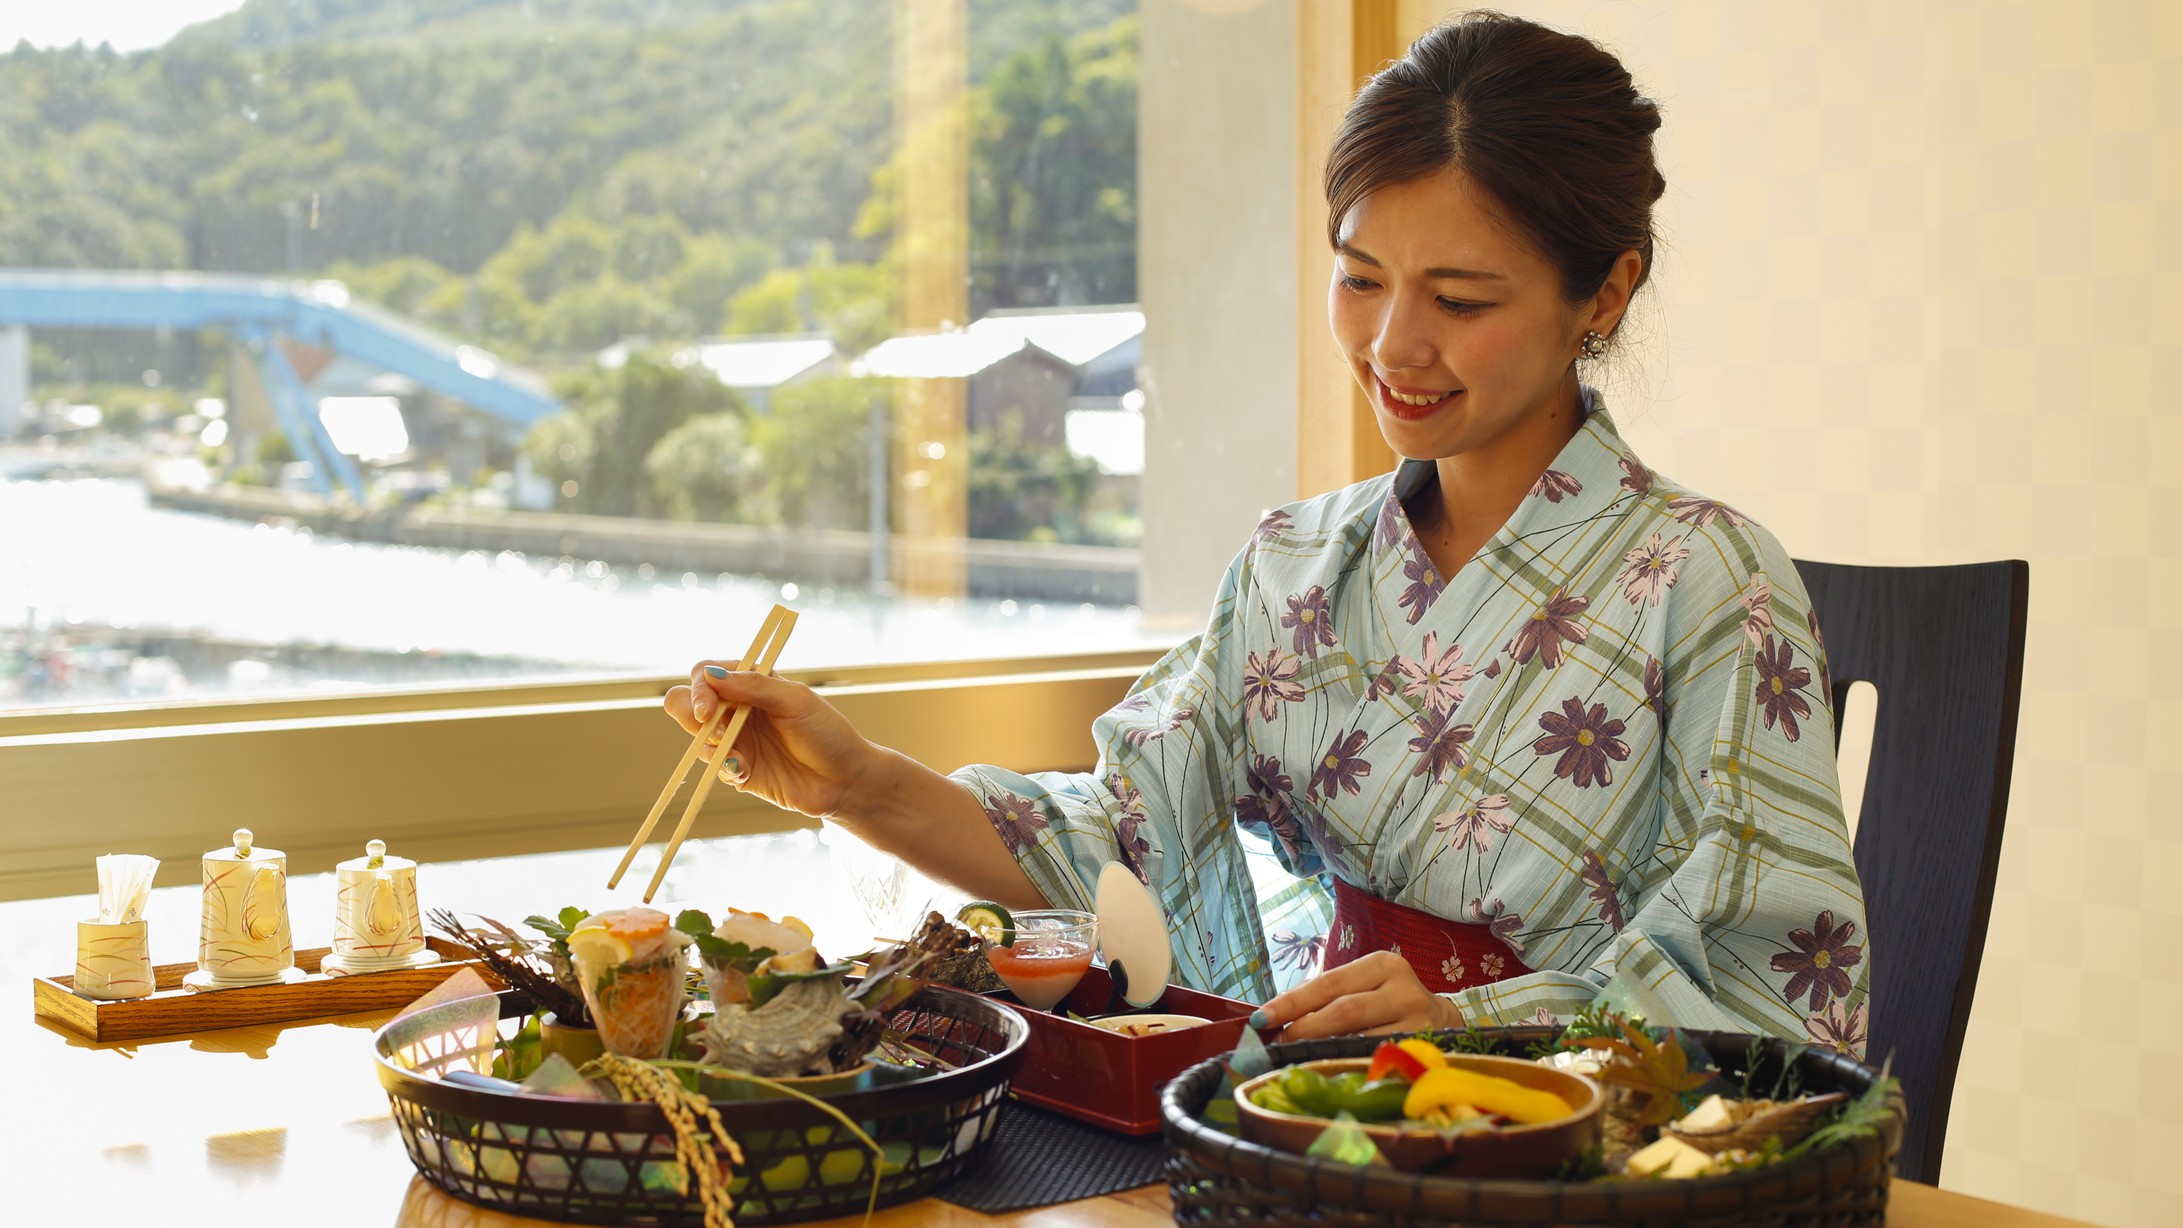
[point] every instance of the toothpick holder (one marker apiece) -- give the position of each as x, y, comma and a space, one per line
113, 961
377, 924
243, 936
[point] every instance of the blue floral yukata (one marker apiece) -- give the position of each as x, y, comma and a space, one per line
1608, 738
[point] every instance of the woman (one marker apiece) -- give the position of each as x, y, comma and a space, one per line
1544, 717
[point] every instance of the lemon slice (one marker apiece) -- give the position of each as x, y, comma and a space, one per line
988, 921
598, 948
797, 924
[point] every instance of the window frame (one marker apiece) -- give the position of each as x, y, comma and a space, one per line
447, 773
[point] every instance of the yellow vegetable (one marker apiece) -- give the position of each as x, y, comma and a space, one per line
1424, 1051
1447, 1086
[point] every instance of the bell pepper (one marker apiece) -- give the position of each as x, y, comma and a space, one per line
1424, 1051
1447, 1087
1392, 1059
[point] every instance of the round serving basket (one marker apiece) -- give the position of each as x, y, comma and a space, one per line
613, 1162
1216, 1178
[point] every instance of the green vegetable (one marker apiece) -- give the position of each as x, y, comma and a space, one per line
764, 986
1308, 1090
989, 921
1377, 1101
1270, 1097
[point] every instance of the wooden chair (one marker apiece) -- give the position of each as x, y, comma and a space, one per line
1944, 646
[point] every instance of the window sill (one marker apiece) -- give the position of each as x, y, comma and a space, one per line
464, 773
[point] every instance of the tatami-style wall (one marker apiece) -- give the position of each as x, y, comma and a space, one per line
1921, 301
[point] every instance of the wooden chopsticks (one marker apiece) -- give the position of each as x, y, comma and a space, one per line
764, 650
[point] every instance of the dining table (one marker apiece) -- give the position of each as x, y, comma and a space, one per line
286, 1123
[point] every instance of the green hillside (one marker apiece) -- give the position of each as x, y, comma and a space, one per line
544, 176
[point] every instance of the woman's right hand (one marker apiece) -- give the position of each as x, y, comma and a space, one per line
796, 750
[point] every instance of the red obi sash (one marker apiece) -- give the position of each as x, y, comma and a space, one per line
1448, 955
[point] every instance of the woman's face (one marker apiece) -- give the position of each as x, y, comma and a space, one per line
1455, 328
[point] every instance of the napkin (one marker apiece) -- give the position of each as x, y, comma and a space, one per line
125, 879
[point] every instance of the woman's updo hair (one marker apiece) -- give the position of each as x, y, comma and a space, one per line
1548, 124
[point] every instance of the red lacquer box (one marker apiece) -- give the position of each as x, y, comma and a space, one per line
1109, 1079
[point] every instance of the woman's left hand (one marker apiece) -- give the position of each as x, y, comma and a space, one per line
1379, 992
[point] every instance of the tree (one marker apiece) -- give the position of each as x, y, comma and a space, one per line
407, 284
1021, 491
1053, 186
814, 451
704, 469
615, 419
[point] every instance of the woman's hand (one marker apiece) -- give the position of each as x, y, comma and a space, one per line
1379, 992
796, 750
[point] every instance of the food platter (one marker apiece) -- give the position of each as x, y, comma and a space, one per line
1217, 1177
612, 1162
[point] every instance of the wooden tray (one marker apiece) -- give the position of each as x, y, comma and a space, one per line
171, 1009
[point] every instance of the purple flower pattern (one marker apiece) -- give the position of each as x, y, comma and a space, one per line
1474, 825
1692, 510
1585, 740
1426, 584
1017, 820
1758, 609
1651, 569
1840, 1029
1341, 767
1312, 620
1821, 962
1436, 678
1504, 921
1266, 805
1603, 890
1270, 681
1298, 951
1549, 628
1554, 486
1439, 746
1780, 687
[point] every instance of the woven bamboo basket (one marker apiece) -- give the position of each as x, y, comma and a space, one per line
1217, 1179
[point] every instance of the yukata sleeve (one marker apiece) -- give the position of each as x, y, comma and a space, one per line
1161, 800
1745, 912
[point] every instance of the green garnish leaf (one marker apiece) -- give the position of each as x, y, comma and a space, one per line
765, 986
557, 927
717, 951
1858, 1118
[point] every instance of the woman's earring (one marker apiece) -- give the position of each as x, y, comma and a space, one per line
1594, 345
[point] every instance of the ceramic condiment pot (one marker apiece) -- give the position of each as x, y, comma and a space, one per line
243, 936
377, 924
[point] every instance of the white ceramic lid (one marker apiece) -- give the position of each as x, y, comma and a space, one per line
244, 848
1133, 936
374, 850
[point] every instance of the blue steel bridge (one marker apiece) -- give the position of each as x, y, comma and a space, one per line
259, 311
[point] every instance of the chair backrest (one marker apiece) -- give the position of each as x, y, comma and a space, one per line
1944, 646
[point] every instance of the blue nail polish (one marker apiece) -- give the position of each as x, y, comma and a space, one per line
716, 671
732, 765
1258, 1019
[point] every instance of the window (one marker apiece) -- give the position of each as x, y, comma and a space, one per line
346, 348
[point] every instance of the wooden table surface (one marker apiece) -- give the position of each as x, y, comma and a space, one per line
286, 1124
